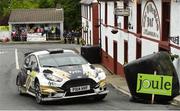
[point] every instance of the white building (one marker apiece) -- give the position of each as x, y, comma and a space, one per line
151, 26
90, 21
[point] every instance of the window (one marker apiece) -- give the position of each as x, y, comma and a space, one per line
138, 48
106, 44
125, 17
89, 13
139, 18
33, 62
115, 16
27, 62
106, 13
60, 60
90, 36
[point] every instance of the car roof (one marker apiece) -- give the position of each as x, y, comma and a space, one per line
50, 51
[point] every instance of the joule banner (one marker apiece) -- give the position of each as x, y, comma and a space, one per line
154, 84
151, 20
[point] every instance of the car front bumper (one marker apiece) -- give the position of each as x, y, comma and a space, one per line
60, 96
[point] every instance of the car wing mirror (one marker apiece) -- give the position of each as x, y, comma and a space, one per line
28, 68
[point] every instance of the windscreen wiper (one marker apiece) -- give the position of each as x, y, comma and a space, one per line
68, 65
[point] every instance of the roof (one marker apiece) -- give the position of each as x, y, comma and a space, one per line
44, 52
88, 2
36, 15
113, 0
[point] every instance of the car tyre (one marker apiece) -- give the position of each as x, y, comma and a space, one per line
19, 87
38, 94
100, 97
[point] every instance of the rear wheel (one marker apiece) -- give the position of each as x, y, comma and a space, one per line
39, 98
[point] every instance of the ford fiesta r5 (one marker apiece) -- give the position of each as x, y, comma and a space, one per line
59, 74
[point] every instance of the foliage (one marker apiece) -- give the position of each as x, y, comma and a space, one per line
46, 3
3, 5
72, 16
7, 5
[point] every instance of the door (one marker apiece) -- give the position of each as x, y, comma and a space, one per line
24, 70
164, 44
138, 48
125, 51
115, 56
165, 20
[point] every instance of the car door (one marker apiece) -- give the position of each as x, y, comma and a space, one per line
24, 70
34, 70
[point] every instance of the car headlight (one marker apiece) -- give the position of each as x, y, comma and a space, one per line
51, 77
98, 70
102, 83
99, 73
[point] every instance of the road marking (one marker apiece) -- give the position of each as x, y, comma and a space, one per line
16, 58
2, 52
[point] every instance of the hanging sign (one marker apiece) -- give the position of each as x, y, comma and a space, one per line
121, 12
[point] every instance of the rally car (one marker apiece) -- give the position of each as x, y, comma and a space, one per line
60, 74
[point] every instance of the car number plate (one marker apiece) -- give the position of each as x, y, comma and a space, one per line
80, 88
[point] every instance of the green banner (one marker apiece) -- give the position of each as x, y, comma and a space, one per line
4, 28
154, 84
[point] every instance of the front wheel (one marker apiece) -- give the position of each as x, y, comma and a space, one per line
39, 98
100, 97
19, 87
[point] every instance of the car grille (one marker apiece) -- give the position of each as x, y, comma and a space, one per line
79, 82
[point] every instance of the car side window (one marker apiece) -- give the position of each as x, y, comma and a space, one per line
33, 62
27, 61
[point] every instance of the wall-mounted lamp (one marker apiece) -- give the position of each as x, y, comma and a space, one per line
130, 26
85, 29
114, 31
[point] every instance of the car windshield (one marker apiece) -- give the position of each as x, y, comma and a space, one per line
61, 59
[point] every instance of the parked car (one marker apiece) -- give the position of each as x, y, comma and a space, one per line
60, 74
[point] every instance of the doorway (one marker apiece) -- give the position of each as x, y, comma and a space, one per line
115, 56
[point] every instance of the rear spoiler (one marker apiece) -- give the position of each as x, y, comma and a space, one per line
27, 53
51, 51
55, 51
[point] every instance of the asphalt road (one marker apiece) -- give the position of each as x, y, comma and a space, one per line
10, 100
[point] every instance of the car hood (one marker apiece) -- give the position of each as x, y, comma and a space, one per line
74, 72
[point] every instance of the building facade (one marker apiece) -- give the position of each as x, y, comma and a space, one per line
90, 21
145, 27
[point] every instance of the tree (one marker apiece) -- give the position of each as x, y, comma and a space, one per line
46, 3
4, 4
7, 5
72, 15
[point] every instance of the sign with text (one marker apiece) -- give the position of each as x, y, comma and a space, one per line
121, 12
151, 20
154, 84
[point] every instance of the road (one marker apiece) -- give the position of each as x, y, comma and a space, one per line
11, 59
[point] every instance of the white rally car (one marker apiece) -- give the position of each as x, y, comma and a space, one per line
59, 74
